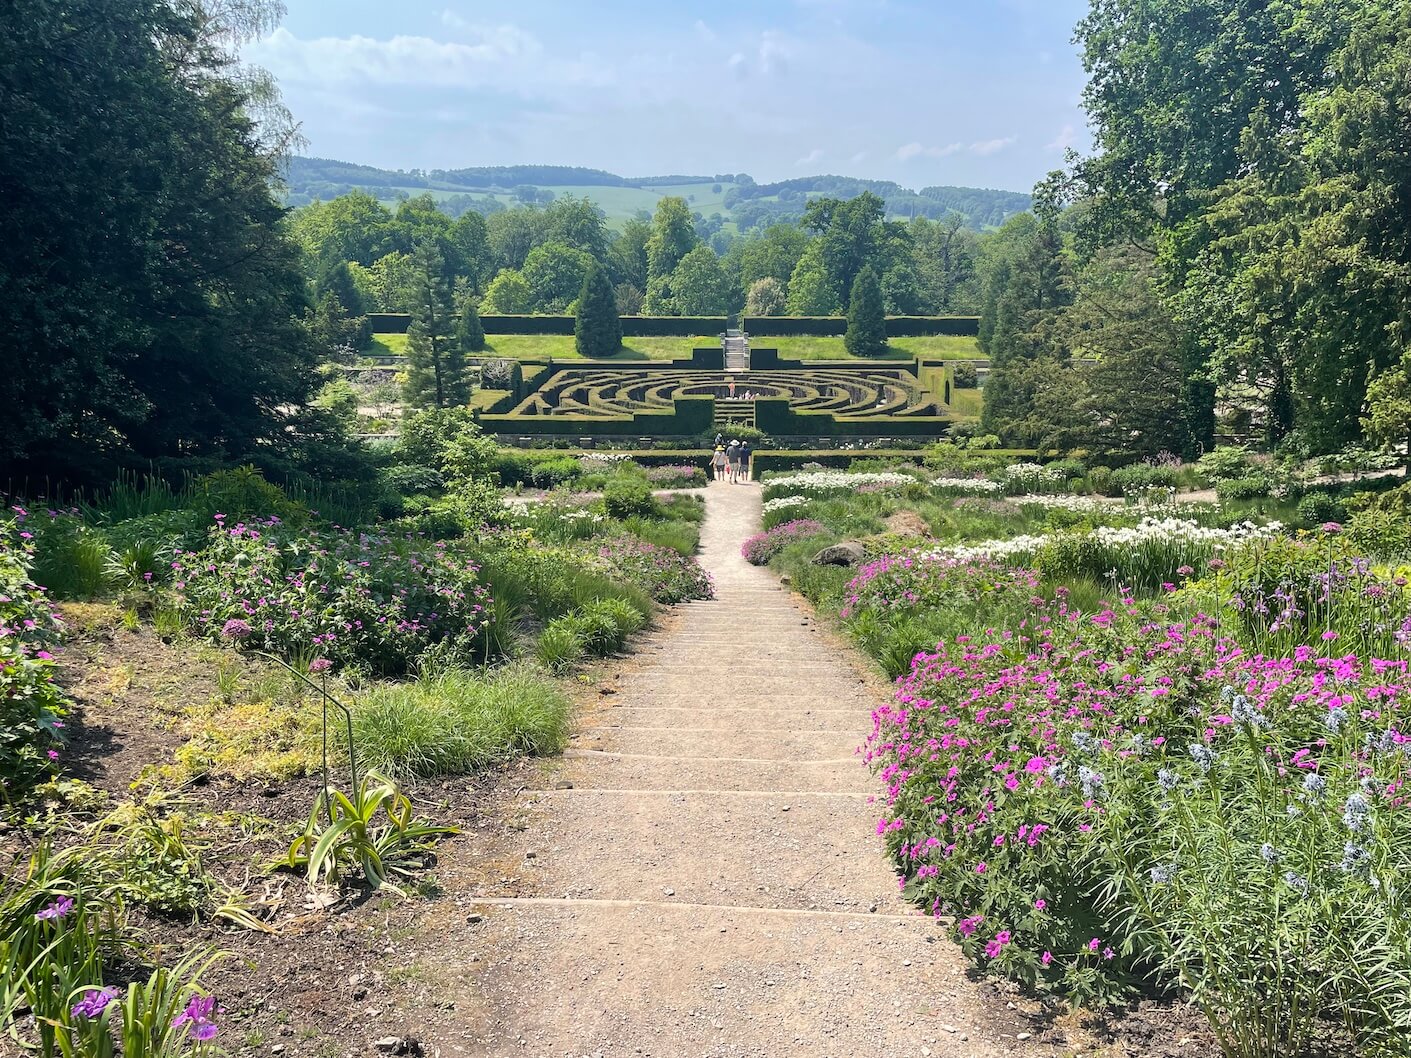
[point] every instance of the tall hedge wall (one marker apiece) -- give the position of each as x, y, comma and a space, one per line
632, 326
774, 416
696, 326
836, 326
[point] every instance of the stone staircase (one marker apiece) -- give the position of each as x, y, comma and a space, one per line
737, 350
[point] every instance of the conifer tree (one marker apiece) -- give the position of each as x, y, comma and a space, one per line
867, 318
597, 330
470, 332
436, 374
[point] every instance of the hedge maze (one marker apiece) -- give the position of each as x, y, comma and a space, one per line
610, 393
853, 398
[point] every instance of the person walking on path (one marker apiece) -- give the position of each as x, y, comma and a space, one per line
733, 453
732, 389
745, 461
718, 463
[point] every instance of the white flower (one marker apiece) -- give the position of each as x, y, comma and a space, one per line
967, 486
781, 503
840, 481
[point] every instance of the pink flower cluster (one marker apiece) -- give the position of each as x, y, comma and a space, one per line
762, 547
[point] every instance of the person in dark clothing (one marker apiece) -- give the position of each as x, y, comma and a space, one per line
744, 461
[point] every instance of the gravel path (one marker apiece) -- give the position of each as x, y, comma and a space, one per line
700, 875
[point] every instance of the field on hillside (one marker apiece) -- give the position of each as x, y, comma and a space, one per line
618, 203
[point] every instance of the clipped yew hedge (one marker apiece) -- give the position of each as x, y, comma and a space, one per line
837, 326
632, 326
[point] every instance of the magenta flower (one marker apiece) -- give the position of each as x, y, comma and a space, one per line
1040, 905
1331, 527
199, 1015
1046, 958
94, 1002
320, 665
1094, 944
235, 629
58, 909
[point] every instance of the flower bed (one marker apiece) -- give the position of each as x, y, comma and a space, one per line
822, 482
1100, 799
664, 573
368, 601
1155, 552
31, 703
761, 547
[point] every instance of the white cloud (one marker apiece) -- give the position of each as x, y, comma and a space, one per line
985, 148
1066, 137
915, 150
812, 156
493, 55
768, 57
859, 156
703, 31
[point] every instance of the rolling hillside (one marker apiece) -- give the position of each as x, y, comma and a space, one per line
740, 201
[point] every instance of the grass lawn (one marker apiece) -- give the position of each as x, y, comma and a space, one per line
386, 345
942, 347
559, 346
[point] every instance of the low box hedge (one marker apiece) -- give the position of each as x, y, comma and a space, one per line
632, 326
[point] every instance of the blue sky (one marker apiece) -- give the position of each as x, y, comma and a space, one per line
981, 93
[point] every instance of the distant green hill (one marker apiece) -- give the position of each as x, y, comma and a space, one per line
739, 201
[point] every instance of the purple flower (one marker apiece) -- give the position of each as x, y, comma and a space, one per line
235, 629
199, 1014
94, 1002
58, 909
1331, 527
320, 665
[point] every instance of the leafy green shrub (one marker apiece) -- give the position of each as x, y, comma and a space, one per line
1099, 480
1381, 532
629, 498
1220, 464
548, 473
966, 376
1319, 508
243, 493
1141, 476
406, 480
1249, 487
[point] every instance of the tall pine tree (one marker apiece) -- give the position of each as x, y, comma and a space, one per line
867, 317
597, 330
436, 372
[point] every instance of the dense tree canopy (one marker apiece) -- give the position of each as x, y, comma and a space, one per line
144, 272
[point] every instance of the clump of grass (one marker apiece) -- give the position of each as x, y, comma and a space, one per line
560, 647
458, 720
